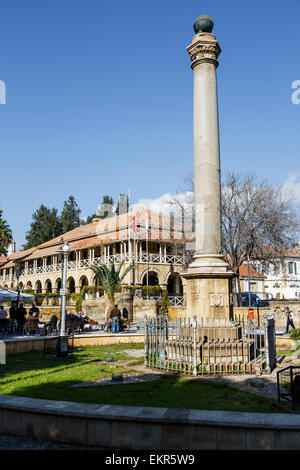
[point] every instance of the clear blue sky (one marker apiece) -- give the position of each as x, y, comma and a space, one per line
99, 97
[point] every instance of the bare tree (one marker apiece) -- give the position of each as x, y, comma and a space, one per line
258, 220
182, 208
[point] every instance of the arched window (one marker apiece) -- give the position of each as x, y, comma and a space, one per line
152, 279
71, 285
175, 285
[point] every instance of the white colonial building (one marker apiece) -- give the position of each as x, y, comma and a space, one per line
282, 278
143, 238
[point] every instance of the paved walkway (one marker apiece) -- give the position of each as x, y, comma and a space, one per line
8, 442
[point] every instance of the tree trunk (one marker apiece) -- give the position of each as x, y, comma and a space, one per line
236, 288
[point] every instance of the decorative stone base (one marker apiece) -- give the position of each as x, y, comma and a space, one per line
209, 295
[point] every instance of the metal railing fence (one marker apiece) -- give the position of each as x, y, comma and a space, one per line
288, 385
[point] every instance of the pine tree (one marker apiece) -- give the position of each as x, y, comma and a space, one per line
90, 218
46, 225
5, 235
105, 210
70, 215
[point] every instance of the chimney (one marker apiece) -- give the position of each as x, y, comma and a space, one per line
11, 248
296, 248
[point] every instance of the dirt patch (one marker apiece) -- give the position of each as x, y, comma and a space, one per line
134, 352
128, 378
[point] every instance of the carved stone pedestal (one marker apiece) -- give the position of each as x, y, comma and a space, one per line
209, 297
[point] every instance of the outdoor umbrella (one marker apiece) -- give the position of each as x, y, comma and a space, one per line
11, 295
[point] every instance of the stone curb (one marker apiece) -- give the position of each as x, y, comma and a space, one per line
146, 428
152, 414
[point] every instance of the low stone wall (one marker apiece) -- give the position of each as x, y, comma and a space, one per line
277, 308
146, 428
137, 307
179, 311
21, 345
284, 343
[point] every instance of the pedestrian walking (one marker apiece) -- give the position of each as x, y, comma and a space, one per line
289, 319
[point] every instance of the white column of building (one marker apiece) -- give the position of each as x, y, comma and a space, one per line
141, 250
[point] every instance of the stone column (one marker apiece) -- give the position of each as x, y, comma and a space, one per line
209, 276
165, 253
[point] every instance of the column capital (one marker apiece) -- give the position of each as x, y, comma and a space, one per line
204, 49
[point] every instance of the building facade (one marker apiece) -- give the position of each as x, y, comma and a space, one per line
256, 279
148, 240
282, 277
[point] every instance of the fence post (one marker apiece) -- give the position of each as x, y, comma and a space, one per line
266, 343
270, 342
194, 345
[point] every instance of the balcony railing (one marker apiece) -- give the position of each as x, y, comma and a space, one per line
86, 263
7, 277
176, 299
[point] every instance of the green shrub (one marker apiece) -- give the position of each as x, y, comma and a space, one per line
295, 334
28, 291
39, 298
165, 302
78, 305
75, 296
152, 290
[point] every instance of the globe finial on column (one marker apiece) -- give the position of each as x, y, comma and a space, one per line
203, 24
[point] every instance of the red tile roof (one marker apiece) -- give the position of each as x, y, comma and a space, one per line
243, 272
107, 231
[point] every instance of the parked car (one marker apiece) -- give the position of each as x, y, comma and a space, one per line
255, 300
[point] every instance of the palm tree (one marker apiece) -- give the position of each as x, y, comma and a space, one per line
5, 235
110, 278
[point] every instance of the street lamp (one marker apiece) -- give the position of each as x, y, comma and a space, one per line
18, 273
62, 345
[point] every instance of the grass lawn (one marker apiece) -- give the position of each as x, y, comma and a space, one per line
29, 375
